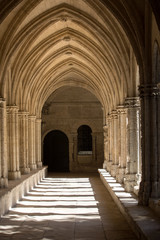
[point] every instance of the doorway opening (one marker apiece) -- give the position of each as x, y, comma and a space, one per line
56, 151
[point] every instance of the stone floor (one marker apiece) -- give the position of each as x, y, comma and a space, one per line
66, 207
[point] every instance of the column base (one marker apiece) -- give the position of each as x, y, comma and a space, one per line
25, 170
120, 174
109, 164
114, 168
39, 164
105, 164
144, 193
130, 182
13, 175
33, 166
3, 182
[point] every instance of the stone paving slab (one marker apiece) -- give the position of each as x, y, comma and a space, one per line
69, 207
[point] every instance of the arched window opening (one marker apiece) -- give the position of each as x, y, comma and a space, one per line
84, 140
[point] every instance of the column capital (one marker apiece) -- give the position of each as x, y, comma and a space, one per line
12, 109
38, 120
2, 99
149, 90
31, 117
132, 102
121, 109
114, 114
22, 114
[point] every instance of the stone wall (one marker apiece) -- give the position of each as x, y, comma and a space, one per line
67, 111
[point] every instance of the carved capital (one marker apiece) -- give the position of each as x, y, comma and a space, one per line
133, 102
121, 110
149, 90
32, 118
22, 115
114, 114
12, 109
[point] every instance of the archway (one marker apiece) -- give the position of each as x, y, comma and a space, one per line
56, 151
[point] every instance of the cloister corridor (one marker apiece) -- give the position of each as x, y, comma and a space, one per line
66, 206
80, 94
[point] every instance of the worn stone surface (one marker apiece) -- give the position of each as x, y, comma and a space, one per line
66, 206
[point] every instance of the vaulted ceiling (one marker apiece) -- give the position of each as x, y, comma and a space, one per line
48, 44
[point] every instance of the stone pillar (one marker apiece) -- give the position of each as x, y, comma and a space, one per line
38, 142
105, 133
31, 142
109, 160
122, 118
115, 159
132, 176
150, 184
13, 143
3, 145
23, 142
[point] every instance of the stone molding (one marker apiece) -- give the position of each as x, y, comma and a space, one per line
149, 90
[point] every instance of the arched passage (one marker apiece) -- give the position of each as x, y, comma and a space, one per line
56, 151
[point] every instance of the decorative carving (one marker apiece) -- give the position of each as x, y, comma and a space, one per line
121, 109
132, 102
149, 90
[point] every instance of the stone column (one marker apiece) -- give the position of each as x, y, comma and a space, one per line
13, 143
132, 176
105, 133
3, 145
122, 118
115, 159
31, 142
110, 140
150, 184
23, 142
38, 142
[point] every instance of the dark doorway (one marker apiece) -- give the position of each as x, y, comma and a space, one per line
56, 152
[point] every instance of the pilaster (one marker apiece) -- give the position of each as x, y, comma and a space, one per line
3, 145
13, 143
31, 142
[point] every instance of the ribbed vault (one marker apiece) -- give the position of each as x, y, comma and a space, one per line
49, 44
